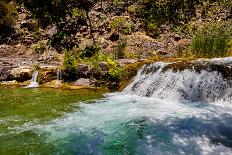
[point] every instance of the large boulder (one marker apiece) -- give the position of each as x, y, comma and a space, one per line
83, 70
5, 70
47, 75
21, 74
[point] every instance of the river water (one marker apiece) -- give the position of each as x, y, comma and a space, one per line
161, 112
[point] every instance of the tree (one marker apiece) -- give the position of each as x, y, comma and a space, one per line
87, 5
8, 16
57, 11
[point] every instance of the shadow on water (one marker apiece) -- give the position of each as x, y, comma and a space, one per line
148, 137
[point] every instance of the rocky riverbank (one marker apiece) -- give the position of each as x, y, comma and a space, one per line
54, 75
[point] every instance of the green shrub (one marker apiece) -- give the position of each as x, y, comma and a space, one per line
152, 29
117, 2
89, 51
121, 25
159, 12
62, 41
119, 49
212, 41
132, 9
70, 66
115, 71
40, 47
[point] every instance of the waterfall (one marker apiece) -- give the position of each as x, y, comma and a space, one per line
59, 74
199, 81
34, 82
170, 108
59, 77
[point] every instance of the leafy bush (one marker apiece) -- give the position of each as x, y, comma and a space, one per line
89, 51
119, 50
121, 25
40, 47
152, 29
70, 67
117, 2
132, 9
115, 71
212, 41
90, 55
62, 41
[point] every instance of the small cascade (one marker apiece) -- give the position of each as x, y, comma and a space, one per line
34, 82
196, 81
59, 77
169, 108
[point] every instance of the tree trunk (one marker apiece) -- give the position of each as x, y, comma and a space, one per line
90, 27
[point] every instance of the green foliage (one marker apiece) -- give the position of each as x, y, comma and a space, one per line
37, 66
62, 41
156, 13
152, 29
117, 2
89, 51
187, 29
119, 50
115, 71
212, 41
40, 47
8, 16
121, 25
95, 59
78, 12
55, 11
70, 66
132, 9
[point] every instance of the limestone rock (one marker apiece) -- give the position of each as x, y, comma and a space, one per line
82, 82
123, 62
83, 70
21, 74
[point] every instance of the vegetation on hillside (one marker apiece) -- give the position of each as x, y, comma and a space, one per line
207, 23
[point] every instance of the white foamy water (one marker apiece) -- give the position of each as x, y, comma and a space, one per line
166, 127
160, 112
34, 82
59, 77
154, 81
